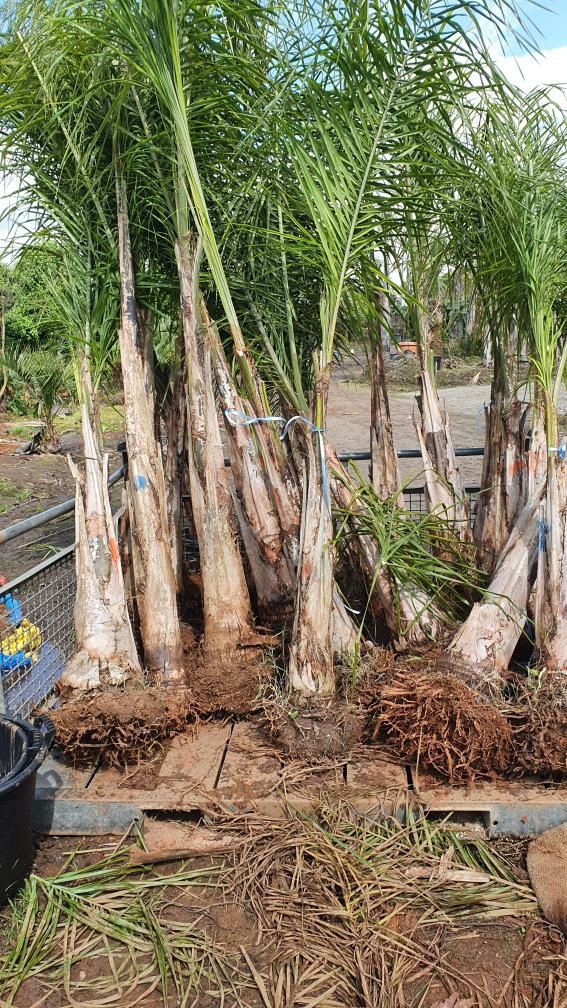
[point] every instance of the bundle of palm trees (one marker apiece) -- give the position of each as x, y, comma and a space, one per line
238, 190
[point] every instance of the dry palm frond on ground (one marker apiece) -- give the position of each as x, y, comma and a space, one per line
339, 912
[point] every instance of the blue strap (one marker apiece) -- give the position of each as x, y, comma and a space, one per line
239, 419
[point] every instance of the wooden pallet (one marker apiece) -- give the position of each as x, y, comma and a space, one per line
233, 767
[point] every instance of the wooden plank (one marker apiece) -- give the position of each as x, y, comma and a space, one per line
196, 757
376, 774
484, 793
57, 773
251, 767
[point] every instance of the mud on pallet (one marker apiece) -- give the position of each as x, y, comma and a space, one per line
233, 767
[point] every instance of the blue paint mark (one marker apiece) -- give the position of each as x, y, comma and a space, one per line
542, 534
140, 482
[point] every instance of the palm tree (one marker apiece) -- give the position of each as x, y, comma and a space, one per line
57, 130
521, 267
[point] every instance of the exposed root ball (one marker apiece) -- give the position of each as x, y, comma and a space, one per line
120, 726
539, 726
222, 685
318, 729
441, 722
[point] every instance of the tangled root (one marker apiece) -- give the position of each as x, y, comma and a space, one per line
539, 726
120, 726
442, 723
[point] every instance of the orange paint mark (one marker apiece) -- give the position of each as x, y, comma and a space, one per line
114, 554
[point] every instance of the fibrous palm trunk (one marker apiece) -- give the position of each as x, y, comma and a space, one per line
175, 462
384, 472
155, 580
482, 648
106, 652
504, 483
551, 584
311, 665
272, 571
226, 602
444, 488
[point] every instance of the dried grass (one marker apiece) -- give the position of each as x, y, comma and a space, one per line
343, 920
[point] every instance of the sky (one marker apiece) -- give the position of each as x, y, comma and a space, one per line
549, 67
549, 29
550, 23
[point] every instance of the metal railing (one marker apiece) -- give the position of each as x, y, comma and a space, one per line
35, 653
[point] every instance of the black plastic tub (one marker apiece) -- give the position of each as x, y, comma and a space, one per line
14, 747
21, 755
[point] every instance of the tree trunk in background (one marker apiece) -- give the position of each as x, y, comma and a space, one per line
384, 472
175, 461
273, 574
155, 581
106, 652
226, 603
481, 651
486, 346
504, 484
4, 382
311, 666
444, 488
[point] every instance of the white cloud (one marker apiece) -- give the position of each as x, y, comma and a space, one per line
548, 69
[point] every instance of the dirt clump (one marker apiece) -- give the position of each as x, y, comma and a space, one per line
317, 728
442, 724
224, 685
120, 726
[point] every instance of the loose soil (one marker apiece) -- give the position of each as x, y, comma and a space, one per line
323, 729
223, 686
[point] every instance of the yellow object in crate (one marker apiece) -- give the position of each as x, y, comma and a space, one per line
24, 641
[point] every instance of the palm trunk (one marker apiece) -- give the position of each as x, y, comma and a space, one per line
155, 584
483, 647
311, 666
144, 323
174, 467
384, 472
551, 585
226, 603
106, 652
504, 483
445, 492
272, 571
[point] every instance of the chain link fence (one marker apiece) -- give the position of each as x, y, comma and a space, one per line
35, 651
35, 648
